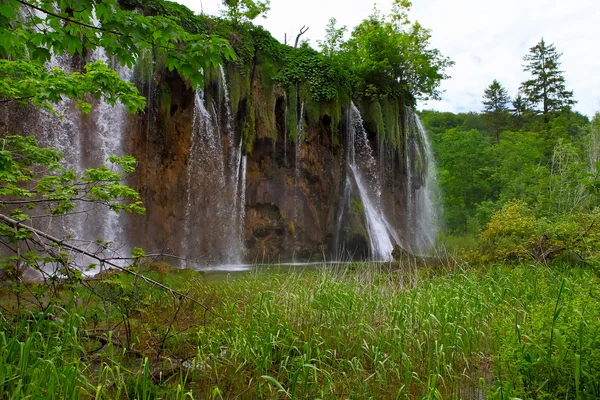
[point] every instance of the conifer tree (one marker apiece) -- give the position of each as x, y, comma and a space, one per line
545, 91
495, 98
519, 109
495, 108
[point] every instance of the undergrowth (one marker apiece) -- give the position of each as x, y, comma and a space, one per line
377, 331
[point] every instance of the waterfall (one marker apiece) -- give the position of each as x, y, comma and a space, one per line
363, 168
86, 141
297, 169
339, 252
63, 132
111, 125
216, 185
423, 193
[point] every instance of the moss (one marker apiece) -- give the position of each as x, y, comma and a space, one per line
239, 86
249, 130
312, 109
292, 105
212, 83
373, 117
356, 227
357, 205
165, 100
391, 119
264, 99
144, 68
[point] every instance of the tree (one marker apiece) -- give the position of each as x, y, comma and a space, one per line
31, 31
519, 106
245, 10
495, 98
334, 37
392, 57
519, 166
464, 171
546, 91
495, 101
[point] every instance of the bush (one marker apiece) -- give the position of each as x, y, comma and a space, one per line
514, 233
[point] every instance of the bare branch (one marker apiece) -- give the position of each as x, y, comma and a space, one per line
39, 233
67, 19
302, 32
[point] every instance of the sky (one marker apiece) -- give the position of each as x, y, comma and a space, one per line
486, 39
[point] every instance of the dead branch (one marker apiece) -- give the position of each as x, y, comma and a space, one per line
302, 32
103, 260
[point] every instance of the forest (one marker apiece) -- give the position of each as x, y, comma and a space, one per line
190, 209
519, 179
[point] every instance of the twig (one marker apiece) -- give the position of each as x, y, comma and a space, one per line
302, 32
68, 19
79, 250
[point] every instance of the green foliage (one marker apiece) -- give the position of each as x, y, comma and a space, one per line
545, 164
391, 57
245, 10
32, 178
304, 64
464, 175
516, 234
334, 38
24, 82
520, 170
184, 17
79, 27
510, 232
545, 91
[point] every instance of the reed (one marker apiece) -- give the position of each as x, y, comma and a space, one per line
354, 331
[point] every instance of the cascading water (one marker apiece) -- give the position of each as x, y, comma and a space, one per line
111, 123
423, 192
85, 141
216, 180
300, 136
362, 167
63, 133
339, 252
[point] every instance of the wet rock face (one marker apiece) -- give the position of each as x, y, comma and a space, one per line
292, 191
291, 203
295, 207
160, 141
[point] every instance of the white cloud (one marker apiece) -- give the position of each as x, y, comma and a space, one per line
487, 39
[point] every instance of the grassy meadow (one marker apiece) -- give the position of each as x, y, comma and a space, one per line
352, 331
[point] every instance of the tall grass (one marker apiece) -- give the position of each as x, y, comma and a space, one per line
334, 332
382, 333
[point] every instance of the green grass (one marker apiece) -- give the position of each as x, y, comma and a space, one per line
334, 332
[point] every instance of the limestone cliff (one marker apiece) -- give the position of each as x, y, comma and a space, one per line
297, 205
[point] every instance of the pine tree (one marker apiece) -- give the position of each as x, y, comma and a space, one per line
495, 98
545, 91
520, 108
495, 108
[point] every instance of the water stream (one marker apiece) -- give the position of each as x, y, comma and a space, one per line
363, 169
423, 203
216, 185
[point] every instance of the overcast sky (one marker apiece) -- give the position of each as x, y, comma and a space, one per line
487, 39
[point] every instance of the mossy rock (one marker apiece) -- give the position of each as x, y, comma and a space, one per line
400, 253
